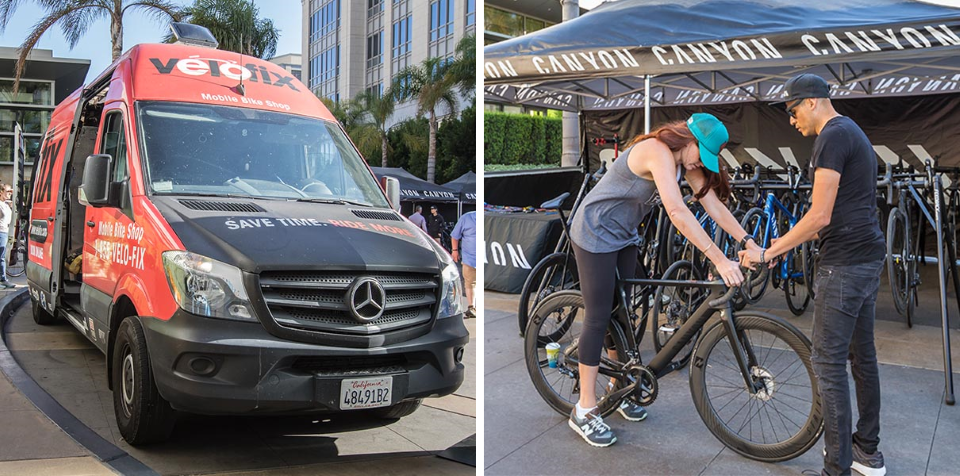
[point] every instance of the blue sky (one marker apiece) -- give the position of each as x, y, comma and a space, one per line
138, 28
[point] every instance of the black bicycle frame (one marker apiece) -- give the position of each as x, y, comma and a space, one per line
662, 363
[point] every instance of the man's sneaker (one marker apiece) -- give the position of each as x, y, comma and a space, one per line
592, 428
631, 411
7, 284
867, 464
471, 313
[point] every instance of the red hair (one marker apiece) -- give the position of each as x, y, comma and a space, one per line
676, 135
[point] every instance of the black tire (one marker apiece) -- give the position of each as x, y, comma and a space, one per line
560, 386
18, 261
898, 242
143, 416
399, 410
555, 272
770, 339
40, 315
756, 279
795, 288
811, 252
673, 305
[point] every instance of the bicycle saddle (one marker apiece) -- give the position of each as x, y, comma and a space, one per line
556, 202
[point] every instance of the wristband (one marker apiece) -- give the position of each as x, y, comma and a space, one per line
762, 258
743, 241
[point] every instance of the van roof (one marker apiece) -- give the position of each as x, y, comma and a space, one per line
184, 73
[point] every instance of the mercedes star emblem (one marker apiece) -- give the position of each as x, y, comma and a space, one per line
366, 300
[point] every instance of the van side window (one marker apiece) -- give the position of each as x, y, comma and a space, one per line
115, 144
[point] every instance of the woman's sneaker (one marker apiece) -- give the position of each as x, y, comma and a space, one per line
631, 411
867, 464
592, 428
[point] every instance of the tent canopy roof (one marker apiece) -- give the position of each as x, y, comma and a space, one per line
413, 188
724, 51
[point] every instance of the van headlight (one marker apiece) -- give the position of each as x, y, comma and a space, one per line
451, 302
207, 287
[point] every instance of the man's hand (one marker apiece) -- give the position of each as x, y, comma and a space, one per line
749, 258
456, 256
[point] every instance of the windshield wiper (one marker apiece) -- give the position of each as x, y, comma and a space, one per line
220, 195
338, 201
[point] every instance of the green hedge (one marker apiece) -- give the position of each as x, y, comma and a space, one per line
519, 139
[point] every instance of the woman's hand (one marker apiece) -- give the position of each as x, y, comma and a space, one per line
730, 272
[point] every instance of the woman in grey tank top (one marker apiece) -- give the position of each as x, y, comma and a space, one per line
604, 234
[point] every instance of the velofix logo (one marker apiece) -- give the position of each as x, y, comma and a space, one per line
218, 67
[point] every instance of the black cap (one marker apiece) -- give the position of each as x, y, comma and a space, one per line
804, 86
433, 207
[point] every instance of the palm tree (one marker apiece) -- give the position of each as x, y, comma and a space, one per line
464, 66
75, 17
236, 26
376, 110
432, 84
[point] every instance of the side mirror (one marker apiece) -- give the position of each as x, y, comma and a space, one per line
95, 189
392, 186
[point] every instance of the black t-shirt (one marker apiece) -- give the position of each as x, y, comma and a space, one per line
853, 235
435, 223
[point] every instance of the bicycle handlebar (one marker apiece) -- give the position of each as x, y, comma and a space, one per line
727, 296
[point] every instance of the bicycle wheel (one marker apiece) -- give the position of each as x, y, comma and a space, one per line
795, 287
756, 279
811, 251
555, 272
898, 242
673, 305
782, 420
17, 261
559, 318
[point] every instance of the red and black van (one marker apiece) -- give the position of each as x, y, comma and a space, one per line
204, 220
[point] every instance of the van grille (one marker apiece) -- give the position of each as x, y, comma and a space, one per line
209, 206
316, 301
370, 215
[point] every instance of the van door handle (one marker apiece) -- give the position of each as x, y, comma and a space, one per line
49, 218
90, 224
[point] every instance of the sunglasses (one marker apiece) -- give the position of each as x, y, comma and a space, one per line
792, 106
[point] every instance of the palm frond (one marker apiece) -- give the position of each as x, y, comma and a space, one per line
38, 30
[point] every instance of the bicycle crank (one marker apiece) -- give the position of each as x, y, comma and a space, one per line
647, 388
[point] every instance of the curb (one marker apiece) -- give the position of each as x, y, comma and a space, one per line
109, 454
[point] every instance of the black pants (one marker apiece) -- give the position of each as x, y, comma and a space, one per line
843, 319
597, 280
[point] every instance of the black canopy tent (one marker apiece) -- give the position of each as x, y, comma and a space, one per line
466, 187
720, 53
414, 190
635, 53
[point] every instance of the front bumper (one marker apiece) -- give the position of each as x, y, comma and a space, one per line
216, 367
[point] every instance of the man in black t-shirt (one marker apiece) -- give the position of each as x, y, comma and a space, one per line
843, 216
435, 224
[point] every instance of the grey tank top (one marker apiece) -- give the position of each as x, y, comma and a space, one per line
609, 215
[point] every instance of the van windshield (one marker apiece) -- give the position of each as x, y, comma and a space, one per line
197, 149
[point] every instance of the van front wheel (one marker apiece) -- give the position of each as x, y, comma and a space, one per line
40, 315
143, 416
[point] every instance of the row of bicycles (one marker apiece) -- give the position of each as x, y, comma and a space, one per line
750, 374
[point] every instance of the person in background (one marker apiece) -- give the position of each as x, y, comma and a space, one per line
418, 219
464, 240
6, 215
843, 214
435, 224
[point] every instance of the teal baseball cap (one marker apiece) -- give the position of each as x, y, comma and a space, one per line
711, 135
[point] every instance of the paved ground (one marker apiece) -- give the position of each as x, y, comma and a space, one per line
71, 370
919, 432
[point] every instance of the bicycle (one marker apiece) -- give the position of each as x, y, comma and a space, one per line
556, 271
748, 366
794, 271
16, 263
904, 244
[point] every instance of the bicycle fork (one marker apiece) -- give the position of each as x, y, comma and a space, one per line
742, 350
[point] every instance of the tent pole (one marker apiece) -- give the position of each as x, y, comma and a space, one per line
646, 104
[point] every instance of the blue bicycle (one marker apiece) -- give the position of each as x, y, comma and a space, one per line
794, 274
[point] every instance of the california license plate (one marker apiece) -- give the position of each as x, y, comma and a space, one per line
365, 393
